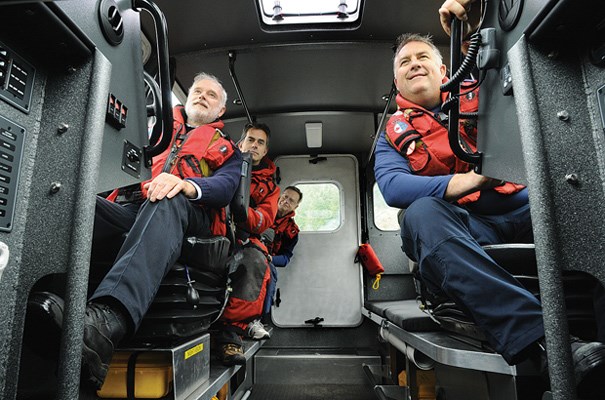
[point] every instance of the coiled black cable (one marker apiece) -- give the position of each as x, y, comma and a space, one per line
467, 65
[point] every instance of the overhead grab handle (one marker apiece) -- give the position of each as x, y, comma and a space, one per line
161, 29
232, 58
452, 105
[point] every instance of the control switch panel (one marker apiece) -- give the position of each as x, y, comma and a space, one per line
16, 79
11, 150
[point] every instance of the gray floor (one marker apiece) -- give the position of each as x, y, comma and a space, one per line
312, 392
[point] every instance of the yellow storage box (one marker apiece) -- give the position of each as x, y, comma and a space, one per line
153, 376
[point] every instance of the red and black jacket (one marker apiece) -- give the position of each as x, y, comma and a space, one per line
264, 194
193, 153
285, 231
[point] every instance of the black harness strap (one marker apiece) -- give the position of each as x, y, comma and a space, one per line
130, 375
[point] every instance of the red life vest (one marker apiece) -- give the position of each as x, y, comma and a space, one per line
420, 137
283, 227
189, 151
264, 194
192, 154
262, 182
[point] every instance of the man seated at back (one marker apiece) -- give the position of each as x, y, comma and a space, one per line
191, 182
280, 240
250, 281
452, 211
285, 229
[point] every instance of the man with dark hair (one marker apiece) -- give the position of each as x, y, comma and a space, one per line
285, 229
191, 182
250, 285
280, 239
451, 211
259, 126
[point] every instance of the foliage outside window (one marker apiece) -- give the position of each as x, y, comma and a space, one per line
385, 217
320, 209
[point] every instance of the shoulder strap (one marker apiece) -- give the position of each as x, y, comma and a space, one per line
130, 375
174, 152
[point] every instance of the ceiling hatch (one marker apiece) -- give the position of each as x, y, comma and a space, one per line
288, 15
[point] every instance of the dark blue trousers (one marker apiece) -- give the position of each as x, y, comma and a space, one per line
446, 242
155, 236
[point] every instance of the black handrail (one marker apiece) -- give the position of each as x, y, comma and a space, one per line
382, 119
161, 29
152, 110
454, 89
232, 58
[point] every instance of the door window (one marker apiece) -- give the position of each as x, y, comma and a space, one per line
320, 210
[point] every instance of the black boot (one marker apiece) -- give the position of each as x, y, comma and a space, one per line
232, 354
589, 368
588, 360
44, 323
104, 327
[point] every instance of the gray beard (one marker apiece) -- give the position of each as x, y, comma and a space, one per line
197, 118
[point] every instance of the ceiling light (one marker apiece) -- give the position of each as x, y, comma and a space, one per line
314, 133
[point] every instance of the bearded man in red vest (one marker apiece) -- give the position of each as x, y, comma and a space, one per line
191, 183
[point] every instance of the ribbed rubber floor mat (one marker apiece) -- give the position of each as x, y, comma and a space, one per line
312, 392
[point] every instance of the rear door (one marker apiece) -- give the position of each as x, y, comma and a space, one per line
322, 279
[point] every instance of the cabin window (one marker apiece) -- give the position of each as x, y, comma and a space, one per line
309, 12
385, 217
320, 209
175, 100
152, 119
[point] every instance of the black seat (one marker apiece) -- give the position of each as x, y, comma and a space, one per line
193, 293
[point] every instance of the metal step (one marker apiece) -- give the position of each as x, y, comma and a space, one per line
313, 367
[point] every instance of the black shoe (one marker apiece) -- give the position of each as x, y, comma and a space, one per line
232, 354
103, 328
589, 368
44, 324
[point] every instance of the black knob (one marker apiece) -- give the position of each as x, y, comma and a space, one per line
193, 297
115, 19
